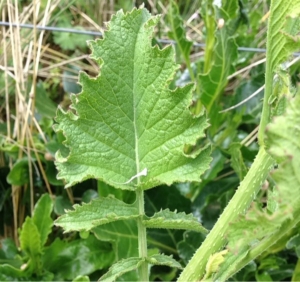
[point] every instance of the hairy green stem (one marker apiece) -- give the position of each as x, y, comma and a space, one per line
266, 112
265, 244
142, 235
239, 203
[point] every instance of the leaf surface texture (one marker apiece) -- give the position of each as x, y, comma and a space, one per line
127, 120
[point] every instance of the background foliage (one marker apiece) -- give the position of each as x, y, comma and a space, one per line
40, 70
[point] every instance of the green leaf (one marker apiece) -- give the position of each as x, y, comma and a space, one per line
231, 8
163, 197
61, 204
44, 105
70, 41
293, 242
81, 278
283, 26
78, 257
123, 235
237, 161
126, 121
173, 220
159, 259
122, 267
9, 273
214, 82
42, 217
98, 212
177, 33
30, 239
19, 174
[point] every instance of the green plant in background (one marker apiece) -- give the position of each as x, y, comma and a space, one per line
129, 130
38, 261
258, 243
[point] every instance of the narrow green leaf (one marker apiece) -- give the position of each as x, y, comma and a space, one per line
42, 217
160, 259
214, 82
280, 45
283, 22
121, 267
126, 124
30, 239
123, 235
177, 33
173, 220
98, 212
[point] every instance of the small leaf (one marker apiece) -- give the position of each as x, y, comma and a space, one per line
121, 267
160, 259
81, 278
42, 217
214, 262
70, 41
293, 242
237, 161
30, 239
97, 212
44, 105
173, 220
61, 204
19, 174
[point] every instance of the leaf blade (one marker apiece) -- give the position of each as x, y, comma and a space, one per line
173, 220
98, 212
126, 119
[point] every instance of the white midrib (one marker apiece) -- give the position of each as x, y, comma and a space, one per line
136, 145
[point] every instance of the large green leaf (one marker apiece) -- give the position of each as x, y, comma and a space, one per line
42, 217
126, 121
97, 212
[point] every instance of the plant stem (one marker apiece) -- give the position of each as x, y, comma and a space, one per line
142, 235
264, 245
215, 240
